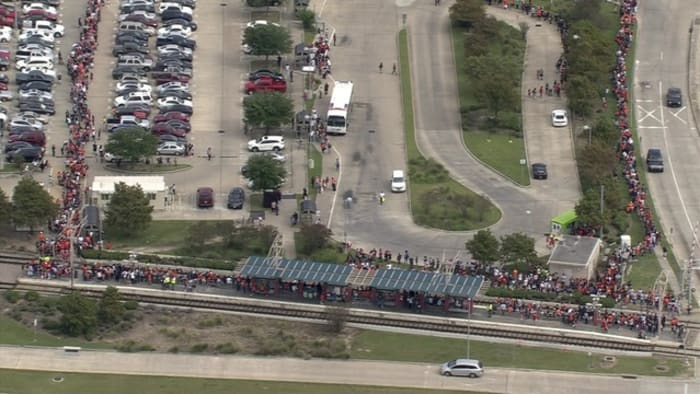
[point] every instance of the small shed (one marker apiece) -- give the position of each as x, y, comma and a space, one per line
153, 187
575, 256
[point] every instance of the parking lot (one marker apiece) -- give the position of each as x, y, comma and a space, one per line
219, 74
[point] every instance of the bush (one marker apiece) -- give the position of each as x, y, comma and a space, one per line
227, 348
31, 296
50, 324
12, 296
209, 323
308, 18
131, 305
199, 348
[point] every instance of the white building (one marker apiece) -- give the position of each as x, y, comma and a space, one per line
153, 186
575, 257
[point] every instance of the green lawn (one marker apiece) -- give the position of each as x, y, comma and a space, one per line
437, 200
160, 233
504, 153
502, 147
14, 333
30, 382
376, 345
644, 272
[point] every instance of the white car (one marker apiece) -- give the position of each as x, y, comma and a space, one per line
170, 148
559, 118
173, 48
165, 5
138, 86
261, 23
53, 28
39, 6
277, 156
43, 62
149, 15
173, 86
45, 35
133, 98
266, 143
31, 117
134, 78
35, 93
171, 100
5, 34
175, 29
22, 122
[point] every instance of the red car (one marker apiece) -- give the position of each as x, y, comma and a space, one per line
170, 116
164, 128
33, 137
4, 11
164, 77
7, 21
205, 197
3, 86
265, 84
49, 16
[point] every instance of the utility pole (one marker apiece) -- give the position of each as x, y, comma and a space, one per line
602, 209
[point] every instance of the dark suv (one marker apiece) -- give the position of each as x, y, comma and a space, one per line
674, 97
655, 161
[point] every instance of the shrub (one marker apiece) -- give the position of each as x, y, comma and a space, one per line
199, 348
174, 349
31, 296
12, 296
227, 348
131, 305
209, 323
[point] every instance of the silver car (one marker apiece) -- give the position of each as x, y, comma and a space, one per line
462, 367
35, 93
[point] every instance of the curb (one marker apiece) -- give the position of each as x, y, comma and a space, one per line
124, 171
694, 70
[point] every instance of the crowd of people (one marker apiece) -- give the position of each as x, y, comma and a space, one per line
81, 124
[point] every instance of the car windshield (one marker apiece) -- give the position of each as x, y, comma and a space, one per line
337, 121
398, 180
452, 363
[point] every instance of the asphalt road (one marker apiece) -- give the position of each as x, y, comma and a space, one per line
367, 35
417, 375
662, 62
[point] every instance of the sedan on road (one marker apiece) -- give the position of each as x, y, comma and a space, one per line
559, 118
674, 97
539, 171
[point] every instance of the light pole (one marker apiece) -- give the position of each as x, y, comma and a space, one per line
76, 229
469, 327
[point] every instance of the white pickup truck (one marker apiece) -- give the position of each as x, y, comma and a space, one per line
54, 28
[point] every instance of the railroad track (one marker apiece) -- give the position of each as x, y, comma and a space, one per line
371, 317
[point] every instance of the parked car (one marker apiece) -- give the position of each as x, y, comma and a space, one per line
172, 86
33, 137
178, 21
119, 71
37, 107
129, 48
236, 197
170, 148
33, 75
175, 50
172, 100
162, 77
266, 143
164, 128
171, 29
142, 17
462, 367
539, 171
25, 154
185, 109
181, 94
265, 84
174, 13
258, 23
262, 73
13, 146
177, 40
205, 197
38, 85
164, 117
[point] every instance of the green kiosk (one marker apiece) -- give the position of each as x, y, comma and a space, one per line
564, 223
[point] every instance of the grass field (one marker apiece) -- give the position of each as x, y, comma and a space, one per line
505, 148
160, 233
437, 200
643, 272
415, 348
14, 333
29, 382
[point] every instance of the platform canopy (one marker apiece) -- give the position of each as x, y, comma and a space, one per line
426, 282
300, 270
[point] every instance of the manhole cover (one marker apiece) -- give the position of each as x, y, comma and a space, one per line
57, 379
609, 359
662, 368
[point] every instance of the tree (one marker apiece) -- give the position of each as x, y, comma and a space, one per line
596, 163
484, 247
129, 210
5, 209
32, 205
517, 247
466, 13
79, 315
308, 18
312, 238
582, 94
132, 144
268, 40
268, 109
265, 172
497, 92
110, 310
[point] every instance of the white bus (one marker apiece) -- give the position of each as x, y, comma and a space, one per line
339, 108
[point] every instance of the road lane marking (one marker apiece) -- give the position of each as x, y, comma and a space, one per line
647, 114
644, 101
670, 165
678, 117
651, 127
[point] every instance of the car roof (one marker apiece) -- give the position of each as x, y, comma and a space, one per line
559, 112
674, 90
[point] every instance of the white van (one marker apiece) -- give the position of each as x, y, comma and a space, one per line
136, 26
398, 181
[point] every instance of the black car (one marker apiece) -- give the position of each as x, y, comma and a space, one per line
123, 39
173, 65
142, 35
674, 97
263, 3
130, 109
119, 71
176, 93
23, 129
38, 85
152, 22
174, 13
174, 60
265, 73
29, 153
38, 100
36, 39
4, 78
171, 138
539, 171
12, 146
184, 3
180, 55
236, 197
129, 8
53, 3
128, 48
185, 109
37, 107
177, 40
182, 22
34, 75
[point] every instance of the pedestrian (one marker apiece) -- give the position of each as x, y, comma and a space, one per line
381, 66
279, 61
94, 147
291, 75
273, 206
80, 22
333, 39
381, 198
333, 183
528, 93
393, 70
53, 150
209, 153
541, 90
325, 89
337, 164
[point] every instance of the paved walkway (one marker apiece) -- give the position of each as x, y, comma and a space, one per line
418, 375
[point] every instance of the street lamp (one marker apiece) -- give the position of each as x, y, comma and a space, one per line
221, 112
